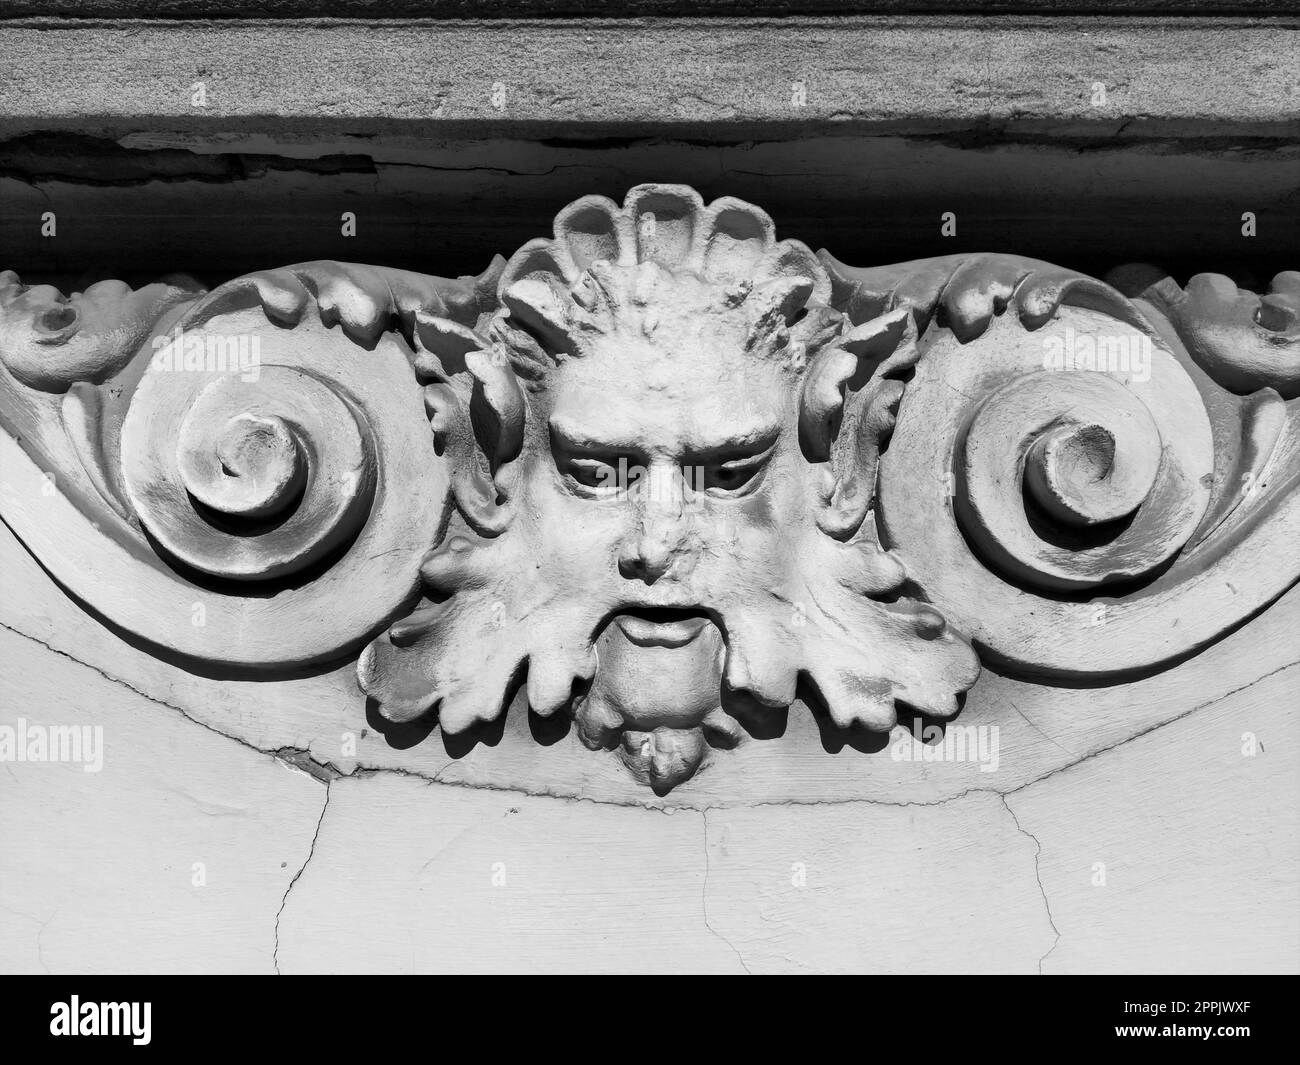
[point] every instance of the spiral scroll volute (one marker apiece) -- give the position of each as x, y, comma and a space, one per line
1038, 476
247, 479
261, 458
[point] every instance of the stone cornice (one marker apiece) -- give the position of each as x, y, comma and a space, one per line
624, 9
715, 78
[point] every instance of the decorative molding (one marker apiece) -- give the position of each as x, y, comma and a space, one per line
661, 472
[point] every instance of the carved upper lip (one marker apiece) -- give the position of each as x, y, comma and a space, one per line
661, 626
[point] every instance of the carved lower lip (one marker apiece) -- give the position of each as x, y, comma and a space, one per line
661, 626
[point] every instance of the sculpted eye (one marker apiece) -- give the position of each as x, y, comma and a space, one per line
734, 476
596, 473
591, 468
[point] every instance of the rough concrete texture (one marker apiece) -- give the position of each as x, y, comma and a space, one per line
626, 9
1204, 78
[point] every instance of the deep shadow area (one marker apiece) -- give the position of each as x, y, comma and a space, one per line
400, 735
833, 738
1089, 202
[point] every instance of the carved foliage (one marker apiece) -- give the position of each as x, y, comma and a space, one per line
662, 472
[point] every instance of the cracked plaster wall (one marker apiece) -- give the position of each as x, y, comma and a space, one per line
316, 867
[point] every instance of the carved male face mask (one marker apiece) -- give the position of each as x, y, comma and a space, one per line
678, 473
664, 450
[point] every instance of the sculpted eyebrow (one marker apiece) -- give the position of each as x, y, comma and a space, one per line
744, 443
572, 438
738, 443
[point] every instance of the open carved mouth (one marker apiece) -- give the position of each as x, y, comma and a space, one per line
661, 626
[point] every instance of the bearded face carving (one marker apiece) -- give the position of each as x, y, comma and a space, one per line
664, 445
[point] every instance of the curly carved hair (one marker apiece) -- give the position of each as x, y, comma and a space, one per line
611, 271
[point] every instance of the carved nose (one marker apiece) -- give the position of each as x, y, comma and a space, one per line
650, 557
650, 551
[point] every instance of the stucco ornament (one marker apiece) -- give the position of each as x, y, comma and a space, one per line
669, 441
661, 474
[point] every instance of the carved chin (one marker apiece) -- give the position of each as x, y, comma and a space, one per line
655, 697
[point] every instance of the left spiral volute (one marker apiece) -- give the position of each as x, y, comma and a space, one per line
247, 479
262, 489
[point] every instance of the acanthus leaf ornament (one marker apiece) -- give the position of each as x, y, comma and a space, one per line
662, 473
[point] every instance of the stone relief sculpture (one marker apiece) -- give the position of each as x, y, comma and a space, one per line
663, 473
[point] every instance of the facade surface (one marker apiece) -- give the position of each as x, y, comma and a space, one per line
791, 491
